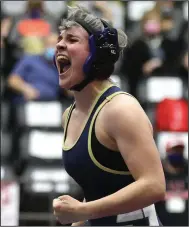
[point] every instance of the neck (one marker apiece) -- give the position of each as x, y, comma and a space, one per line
85, 98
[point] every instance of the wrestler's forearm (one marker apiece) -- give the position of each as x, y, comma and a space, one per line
79, 223
133, 197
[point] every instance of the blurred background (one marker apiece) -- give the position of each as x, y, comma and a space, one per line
154, 68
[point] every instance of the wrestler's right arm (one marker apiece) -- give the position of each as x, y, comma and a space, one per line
80, 223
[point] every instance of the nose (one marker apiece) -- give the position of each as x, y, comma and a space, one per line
61, 45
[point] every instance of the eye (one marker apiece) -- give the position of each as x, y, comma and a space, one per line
73, 40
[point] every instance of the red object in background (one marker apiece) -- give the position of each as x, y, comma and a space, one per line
172, 115
33, 27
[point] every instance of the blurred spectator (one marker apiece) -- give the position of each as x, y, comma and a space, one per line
151, 53
172, 18
5, 28
32, 45
35, 15
184, 66
175, 162
173, 211
112, 11
183, 38
35, 77
134, 12
185, 60
34, 23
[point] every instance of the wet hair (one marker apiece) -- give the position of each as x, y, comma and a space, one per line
80, 13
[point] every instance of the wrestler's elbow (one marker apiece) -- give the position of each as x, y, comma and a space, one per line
160, 192
157, 189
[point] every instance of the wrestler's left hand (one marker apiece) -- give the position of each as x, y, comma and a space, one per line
68, 210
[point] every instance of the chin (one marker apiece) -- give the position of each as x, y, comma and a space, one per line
64, 84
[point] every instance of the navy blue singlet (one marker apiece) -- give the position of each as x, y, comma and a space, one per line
100, 171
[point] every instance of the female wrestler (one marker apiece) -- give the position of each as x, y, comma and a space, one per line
108, 145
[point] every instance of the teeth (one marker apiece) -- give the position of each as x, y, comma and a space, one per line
64, 63
62, 58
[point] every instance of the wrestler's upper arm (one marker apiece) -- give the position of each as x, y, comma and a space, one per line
128, 125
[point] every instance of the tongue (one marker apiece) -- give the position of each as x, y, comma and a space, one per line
66, 68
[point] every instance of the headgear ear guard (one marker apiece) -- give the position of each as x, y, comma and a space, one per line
104, 52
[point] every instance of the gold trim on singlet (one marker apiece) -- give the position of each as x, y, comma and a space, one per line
66, 148
67, 116
99, 165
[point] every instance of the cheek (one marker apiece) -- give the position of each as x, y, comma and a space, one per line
79, 54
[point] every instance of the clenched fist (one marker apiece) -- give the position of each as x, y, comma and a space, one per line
68, 210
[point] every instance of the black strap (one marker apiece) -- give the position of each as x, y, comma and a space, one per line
88, 28
79, 87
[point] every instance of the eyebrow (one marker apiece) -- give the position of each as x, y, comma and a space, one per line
68, 35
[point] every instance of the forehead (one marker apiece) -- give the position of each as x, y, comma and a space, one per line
77, 31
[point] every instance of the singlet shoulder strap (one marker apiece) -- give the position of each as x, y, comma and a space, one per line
67, 118
69, 112
99, 165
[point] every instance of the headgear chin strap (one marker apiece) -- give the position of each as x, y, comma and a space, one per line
104, 52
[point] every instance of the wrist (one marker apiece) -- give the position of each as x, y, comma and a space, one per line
90, 210
86, 210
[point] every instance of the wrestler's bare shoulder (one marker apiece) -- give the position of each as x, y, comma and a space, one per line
125, 109
124, 103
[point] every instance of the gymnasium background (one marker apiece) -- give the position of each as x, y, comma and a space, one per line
154, 68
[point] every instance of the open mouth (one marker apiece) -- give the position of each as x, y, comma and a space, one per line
64, 64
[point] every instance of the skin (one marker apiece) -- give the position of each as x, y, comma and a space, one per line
122, 125
70, 43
